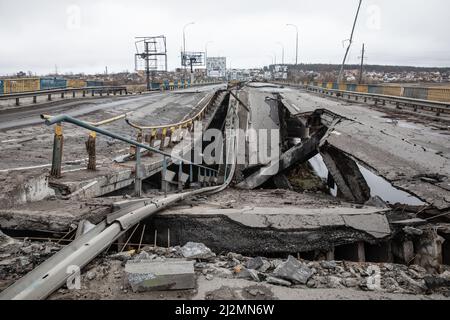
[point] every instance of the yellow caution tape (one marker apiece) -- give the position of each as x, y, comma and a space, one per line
58, 130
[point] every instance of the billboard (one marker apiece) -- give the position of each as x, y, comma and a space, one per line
192, 59
216, 67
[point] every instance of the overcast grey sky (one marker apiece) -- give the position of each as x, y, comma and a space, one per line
87, 35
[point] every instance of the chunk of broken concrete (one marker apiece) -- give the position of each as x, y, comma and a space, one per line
255, 263
146, 275
278, 282
123, 256
377, 202
249, 274
331, 265
6, 240
194, 250
294, 271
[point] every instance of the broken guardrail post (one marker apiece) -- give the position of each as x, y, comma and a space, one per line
163, 139
200, 176
164, 185
138, 174
58, 143
180, 177
90, 148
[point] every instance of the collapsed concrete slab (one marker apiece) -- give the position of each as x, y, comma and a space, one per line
298, 154
56, 216
260, 229
346, 174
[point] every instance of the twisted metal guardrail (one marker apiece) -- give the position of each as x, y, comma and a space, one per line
161, 132
205, 173
54, 272
49, 93
437, 107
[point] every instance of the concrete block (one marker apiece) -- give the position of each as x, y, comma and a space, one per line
294, 271
148, 275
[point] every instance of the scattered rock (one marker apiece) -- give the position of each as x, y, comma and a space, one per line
27, 250
24, 261
253, 292
413, 231
294, 271
209, 277
433, 283
249, 274
122, 256
194, 250
6, 240
311, 283
350, 282
377, 202
265, 267
236, 256
416, 286
221, 272
144, 256
278, 282
333, 282
328, 264
200, 265
91, 275
255, 263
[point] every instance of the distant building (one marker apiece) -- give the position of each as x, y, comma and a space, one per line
216, 67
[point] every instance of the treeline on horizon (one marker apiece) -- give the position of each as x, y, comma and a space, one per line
318, 67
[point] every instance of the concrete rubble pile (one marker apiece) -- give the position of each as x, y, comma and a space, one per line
167, 269
17, 258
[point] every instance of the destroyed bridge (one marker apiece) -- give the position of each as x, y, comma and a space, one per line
296, 169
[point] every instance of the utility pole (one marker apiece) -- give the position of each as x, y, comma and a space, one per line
147, 66
362, 64
341, 72
206, 48
184, 46
153, 47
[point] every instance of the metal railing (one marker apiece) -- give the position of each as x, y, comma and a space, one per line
152, 134
49, 93
204, 177
434, 106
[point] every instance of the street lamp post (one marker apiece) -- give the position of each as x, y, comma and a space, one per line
296, 42
184, 47
282, 52
274, 57
206, 48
